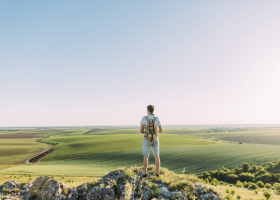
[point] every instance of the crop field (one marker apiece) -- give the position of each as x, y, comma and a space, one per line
74, 146
102, 150
18, 150
254, 137
194, 159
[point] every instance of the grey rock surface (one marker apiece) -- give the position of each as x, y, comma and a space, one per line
113, 186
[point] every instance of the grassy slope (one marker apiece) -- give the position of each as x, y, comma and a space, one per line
15, 151
255, 137
195, 159
74, 146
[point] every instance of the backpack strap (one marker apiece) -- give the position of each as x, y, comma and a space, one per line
147, 119
155, 118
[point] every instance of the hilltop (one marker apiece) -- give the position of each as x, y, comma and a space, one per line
120, 184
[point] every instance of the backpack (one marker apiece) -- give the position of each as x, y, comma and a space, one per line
151, 129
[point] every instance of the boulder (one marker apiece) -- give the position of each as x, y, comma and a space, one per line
10, 185
37, 185
50, 191
115, 185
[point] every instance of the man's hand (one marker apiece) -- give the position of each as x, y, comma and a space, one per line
142, 128
159, 129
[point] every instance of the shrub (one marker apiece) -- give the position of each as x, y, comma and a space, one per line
214, 182
256, 191
246, 176
232, 192
260, 184
228, 197
267, 185
245, 167
245, 184
238, 197
277, 187
231, 178
252, 186
239, 184
266, 194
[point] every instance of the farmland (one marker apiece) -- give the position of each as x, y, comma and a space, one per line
254, 137
18, 150
104, 149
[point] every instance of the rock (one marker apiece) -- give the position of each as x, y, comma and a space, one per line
9, 198
82, 188
126, 191
146, 193
10, 185
164, 191
115, 185
176, 195
116, 176
37, 185
73, 194
50, 191
26, 186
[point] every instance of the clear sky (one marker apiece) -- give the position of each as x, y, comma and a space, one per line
69, 63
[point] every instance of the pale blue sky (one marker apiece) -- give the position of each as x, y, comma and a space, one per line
102, 62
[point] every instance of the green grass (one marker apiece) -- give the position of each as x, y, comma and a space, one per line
16, 151
255, 137
99, 152
74, 146
195, 160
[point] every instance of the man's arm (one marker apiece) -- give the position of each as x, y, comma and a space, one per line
159, 129
142, 128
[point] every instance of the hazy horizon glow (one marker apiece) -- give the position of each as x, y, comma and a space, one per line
69, 63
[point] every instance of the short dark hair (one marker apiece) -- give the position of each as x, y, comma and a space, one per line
151, 108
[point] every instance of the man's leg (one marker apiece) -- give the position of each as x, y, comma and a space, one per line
157, 162
146, 151
145, 163
156, 154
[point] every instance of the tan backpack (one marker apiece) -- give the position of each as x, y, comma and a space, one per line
151, 129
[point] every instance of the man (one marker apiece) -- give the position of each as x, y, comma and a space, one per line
147, 144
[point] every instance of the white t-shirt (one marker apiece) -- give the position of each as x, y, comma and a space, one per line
151, 117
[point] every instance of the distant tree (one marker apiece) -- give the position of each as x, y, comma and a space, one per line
245, 167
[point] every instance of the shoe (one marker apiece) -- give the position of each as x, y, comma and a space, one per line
145, 175
158, 175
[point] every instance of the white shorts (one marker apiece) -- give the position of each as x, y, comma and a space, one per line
147, 146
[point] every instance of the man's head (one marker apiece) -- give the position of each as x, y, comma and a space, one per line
150, 109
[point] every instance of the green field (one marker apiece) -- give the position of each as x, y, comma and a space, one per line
17, 151
74, 146
195, 159
254, 137
108, 148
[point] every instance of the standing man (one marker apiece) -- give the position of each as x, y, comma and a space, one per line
148, 144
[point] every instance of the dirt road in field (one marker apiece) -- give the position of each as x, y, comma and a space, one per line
39, 156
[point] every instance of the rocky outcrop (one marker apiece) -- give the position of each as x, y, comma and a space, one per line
115, 185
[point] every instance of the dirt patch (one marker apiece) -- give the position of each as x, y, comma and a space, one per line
19, 135
38, 157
